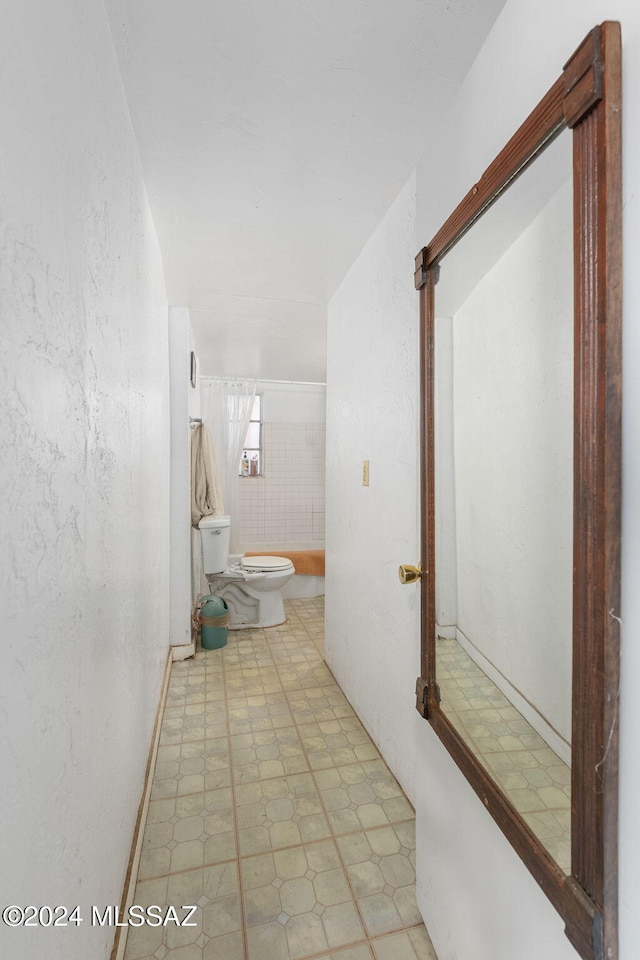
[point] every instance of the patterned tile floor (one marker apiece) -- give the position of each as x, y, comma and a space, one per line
272, 810
535, 779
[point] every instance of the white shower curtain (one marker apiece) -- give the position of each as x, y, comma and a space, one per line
227, 405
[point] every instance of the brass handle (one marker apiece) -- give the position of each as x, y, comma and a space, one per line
408, 573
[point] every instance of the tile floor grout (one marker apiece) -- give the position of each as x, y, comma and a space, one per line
332, 839
257, 678
326, 812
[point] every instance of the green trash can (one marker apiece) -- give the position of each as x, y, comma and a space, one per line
213, 618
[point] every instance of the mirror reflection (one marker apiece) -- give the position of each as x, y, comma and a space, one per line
504, 492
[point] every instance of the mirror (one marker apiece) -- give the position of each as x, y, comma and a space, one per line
520, 465
503, 445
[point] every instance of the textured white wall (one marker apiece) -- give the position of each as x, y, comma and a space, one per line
372, 374
478, 899
84, 472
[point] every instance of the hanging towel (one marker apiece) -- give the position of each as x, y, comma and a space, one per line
206, 497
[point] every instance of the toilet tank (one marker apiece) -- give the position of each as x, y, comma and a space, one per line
215, 532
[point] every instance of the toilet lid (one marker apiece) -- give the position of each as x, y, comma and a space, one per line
268, 564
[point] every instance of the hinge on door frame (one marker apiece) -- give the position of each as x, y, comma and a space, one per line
420, 272
422, 696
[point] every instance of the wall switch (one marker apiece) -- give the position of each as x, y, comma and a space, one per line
365, 473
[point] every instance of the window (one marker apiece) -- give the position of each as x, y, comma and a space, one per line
251, 463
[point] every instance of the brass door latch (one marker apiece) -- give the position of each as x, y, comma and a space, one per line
408, 573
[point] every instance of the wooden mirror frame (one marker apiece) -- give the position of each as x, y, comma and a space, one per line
587, 99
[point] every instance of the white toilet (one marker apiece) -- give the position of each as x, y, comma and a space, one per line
252, 586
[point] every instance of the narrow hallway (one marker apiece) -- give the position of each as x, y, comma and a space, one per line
272, 810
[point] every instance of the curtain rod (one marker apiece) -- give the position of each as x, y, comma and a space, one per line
297, 383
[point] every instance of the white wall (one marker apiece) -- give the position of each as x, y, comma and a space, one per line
285, 508
476, 896
445, 480
84, 470
371, 620
293, 402
184, 403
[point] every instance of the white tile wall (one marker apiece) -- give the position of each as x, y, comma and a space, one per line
287, 504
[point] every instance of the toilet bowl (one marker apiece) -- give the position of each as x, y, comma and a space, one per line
253, 591
251, 586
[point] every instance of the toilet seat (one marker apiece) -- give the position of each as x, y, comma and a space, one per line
266, 564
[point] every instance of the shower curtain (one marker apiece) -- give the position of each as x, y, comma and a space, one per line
228, 405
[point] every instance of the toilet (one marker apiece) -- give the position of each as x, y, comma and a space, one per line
251, 586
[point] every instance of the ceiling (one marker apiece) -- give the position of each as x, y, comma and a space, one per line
274, 135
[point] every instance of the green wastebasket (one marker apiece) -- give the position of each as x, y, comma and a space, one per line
213, 618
